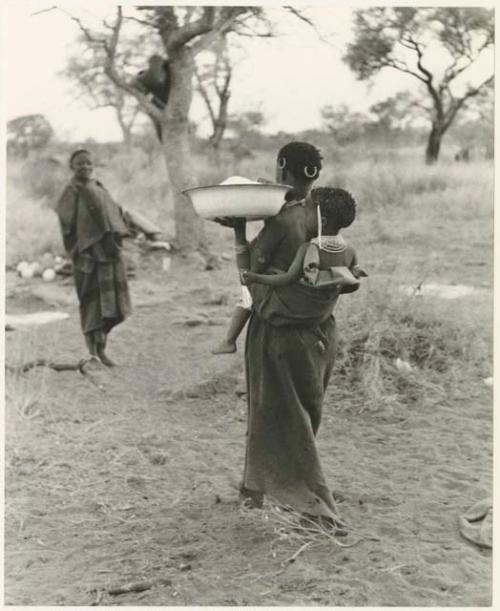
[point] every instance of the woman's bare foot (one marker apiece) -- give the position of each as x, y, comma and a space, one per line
105, 360
225, 348
91, 362
251, 499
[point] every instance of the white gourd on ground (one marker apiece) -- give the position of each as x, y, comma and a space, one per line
49, 275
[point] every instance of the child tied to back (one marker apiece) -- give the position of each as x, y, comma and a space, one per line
327, 260
92, 228
298, 164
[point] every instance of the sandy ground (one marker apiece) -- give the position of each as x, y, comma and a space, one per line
134, 478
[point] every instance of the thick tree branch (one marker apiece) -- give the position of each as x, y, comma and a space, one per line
224, 24
296, 13
392, 63
472, 92
184, 34
204, 94
428, 75
112, 73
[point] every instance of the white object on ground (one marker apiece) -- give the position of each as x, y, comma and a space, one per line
47, 260
27, 272
15, 321
403, 365
165, 264
22, 265
444, 291
49, 275
488, 381
36, 268
476, 524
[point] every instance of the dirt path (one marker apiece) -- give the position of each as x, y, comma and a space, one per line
138, 480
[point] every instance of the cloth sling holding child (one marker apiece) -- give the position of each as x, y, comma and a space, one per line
339, 276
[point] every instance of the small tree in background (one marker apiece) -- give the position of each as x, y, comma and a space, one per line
398, 111
247, 134
345, 126
84, 71
213, 80
28, 133
413, 41
475, 128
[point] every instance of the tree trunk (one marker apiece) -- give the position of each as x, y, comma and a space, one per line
124, 126
189, 230
216, 138
433, 144
219, 128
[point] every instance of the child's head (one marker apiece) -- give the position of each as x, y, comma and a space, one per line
337, 208
81, 164
298, 163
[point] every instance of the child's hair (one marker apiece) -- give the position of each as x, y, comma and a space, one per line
75, 154
337, 205
303, 160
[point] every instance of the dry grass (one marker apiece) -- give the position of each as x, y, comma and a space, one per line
27, 393
440, 345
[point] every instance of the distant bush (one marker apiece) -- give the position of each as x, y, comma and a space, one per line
44, 178
28, 133
32, 228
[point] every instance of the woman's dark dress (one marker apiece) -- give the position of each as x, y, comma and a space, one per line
92, 227
289, 355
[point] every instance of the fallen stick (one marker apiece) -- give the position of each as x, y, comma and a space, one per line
56, 366
294, 556
45, 363
138, 586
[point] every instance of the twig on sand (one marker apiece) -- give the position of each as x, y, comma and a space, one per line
45, 363
419, 286
56, 366
138, 586
294, 556
391, 569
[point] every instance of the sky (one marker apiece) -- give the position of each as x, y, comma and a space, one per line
289, 78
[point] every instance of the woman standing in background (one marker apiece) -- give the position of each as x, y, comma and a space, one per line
92, 227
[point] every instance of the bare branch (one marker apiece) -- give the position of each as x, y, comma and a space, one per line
90, 37
204, 94
428, 75
45, 10
300, 16
150, 24
392, 63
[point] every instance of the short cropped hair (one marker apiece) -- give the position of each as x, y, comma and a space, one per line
337, 205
